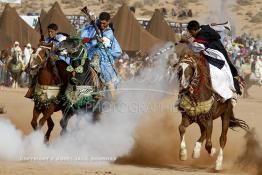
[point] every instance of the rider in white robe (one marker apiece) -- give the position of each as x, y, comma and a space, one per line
224, 75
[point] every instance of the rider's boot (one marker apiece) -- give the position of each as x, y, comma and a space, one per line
31, 89
29, 93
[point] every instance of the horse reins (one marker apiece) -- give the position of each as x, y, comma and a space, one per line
194, 83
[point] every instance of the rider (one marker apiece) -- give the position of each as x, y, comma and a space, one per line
223, 72
53, 37
17, 50
27, 53
222, 29
103, 49
56, 38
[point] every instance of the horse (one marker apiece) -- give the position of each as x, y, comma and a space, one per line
199, 104
83, 84
47, 89
15, 67
250, 80
251, 74
3, 67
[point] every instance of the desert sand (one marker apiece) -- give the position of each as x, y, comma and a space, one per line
156, 141
156, 138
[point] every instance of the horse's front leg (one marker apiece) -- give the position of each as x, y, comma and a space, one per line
36, 114
13, 84
67, 114
198, 145
47, 114
182, 129
16, 82
208, 146
223, 138
50, 125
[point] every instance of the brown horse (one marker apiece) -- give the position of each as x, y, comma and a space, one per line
198, 103
46, 90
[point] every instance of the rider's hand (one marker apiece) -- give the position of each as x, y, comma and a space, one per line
41, 43
100, 40
92, 16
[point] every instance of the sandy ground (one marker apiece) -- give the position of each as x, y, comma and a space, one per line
147, 151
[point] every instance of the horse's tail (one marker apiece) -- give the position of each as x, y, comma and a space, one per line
235, 122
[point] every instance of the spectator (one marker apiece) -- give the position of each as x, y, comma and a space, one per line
27, 53
189, 13
173, 12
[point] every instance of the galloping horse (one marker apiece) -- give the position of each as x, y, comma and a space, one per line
253, 77
46, 90
15, 67
199, 104
83, 84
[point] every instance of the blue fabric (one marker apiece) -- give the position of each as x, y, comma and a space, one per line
57, 40
106, 56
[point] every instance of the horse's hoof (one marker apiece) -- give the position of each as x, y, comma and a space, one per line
37, 128
213, 152
196, 151
63, 132
219, 166
219, 162
196, 155
183, 154
46, 140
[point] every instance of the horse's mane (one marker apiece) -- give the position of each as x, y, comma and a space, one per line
184, 52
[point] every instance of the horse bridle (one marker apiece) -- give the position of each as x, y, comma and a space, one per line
195, 78
45, 47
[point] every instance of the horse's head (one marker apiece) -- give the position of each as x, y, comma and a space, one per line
16, 56
186, 71
70, 46
187, 68
40, 56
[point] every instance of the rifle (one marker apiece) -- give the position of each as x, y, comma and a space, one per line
86, 11
41, 31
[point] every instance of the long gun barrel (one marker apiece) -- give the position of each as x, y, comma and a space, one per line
41, 30
86, 11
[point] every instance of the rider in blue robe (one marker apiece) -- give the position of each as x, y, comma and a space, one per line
56, 38
102, 49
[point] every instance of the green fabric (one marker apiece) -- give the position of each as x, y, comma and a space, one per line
15, 68
195, 109
80, 68
80, 102
95, 63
